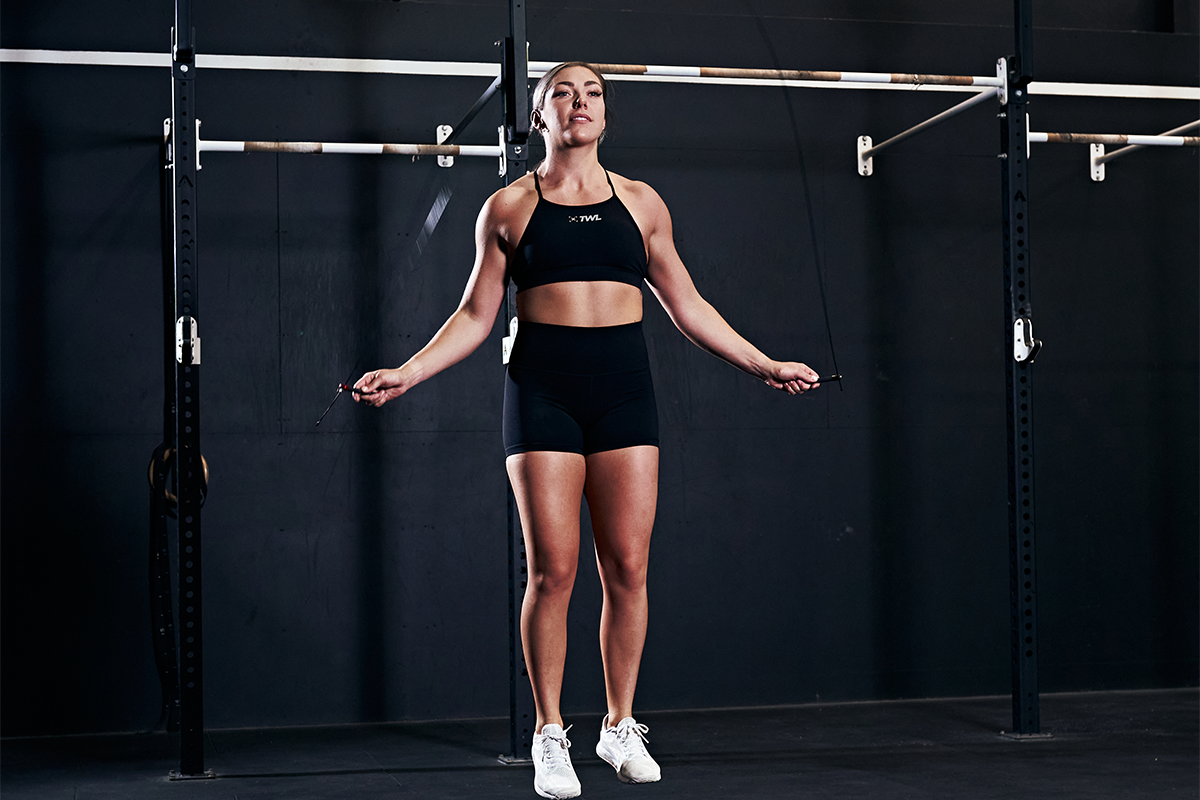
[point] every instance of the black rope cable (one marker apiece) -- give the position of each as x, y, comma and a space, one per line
432, 218
808, 203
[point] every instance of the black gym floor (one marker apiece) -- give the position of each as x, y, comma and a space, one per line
1101, 745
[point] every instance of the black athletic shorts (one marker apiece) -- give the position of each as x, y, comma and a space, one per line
578, 390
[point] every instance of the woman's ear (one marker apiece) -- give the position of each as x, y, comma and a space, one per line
535, 119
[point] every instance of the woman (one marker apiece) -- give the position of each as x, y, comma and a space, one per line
579, 414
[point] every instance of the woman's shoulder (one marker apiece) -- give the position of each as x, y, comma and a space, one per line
638, 195
638, 191
512, 205
515, 196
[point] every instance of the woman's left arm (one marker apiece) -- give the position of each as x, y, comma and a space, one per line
694, 316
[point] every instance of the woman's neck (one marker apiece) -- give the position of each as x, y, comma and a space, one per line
574, 170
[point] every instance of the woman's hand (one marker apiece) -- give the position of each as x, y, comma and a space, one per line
791, 377
379, 386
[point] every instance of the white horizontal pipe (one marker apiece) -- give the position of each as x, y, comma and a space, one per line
353, 148
368, 65
537, 68
1115, 90
908, 79
1113, 138
102, 58
788, 83
1104, 159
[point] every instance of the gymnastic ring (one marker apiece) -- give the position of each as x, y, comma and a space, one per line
167, 456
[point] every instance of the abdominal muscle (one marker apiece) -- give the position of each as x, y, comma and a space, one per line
582, 304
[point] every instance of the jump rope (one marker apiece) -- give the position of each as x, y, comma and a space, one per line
446, 191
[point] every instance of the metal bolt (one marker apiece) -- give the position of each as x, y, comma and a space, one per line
183, 67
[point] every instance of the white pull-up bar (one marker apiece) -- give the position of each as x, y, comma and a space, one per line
1096, 156
353, 148
786, 76
1113, 138
640, 72
1104, 159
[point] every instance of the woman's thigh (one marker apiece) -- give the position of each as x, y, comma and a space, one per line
548, 486
622, 493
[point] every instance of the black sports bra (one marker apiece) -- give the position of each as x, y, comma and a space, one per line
595, 242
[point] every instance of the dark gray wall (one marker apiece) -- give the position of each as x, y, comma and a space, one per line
850, 544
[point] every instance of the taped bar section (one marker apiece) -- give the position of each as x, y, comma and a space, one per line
1114, 138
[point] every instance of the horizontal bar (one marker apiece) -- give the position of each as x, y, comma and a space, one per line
282, 63
1104, 159
785, 74
1114, 138
790, 84
380, 66
929, 123
96, 58
212, 146
476, 69
700, 75
1147, 92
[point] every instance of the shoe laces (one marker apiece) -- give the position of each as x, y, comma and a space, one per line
632, 736
554, 749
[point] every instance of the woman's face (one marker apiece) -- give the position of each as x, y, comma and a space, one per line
573, 108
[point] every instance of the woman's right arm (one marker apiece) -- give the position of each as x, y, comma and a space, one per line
470, 323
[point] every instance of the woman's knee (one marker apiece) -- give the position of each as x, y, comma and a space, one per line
552, 580
623, 574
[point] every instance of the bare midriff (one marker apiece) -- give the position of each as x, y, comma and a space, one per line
582, 304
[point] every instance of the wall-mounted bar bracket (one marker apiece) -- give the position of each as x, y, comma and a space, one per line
514, 153
1096, 162
506, 345
443, 133
866, 164
187, 340
1025, 347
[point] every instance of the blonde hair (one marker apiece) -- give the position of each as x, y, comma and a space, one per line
543, 86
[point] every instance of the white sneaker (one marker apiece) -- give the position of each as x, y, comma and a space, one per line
553, 775
624, 748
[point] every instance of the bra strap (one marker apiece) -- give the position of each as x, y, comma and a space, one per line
610, 183
537, 184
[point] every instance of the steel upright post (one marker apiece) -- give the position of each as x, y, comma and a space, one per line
1020, 349
162, 615
515, 86
188, 464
